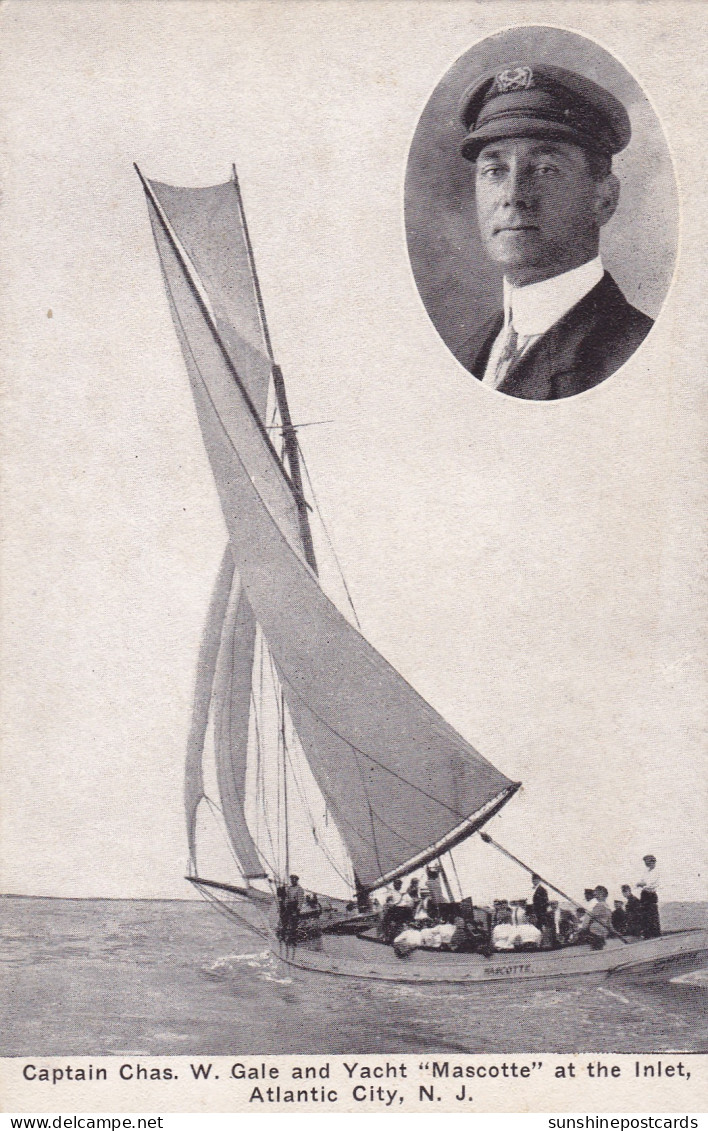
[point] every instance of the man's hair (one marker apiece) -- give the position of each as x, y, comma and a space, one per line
599, 164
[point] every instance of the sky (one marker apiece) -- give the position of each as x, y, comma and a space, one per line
536, 571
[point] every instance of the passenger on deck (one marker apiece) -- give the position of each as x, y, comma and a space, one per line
632, 912
398, 911
549, 939
411, 897
619, 918
406, 942
435, 897
539, 902
567, 924
501, 910
438, 937
312, 906
393, 894
293, 901
649, 899
595, 926
515, 936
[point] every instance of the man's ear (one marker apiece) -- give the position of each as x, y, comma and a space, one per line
606, 199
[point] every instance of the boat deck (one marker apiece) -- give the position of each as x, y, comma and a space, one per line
361, 957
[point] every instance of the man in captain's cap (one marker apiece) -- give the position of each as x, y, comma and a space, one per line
543, 139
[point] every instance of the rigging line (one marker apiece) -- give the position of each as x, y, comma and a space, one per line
289, 434
166, 227
225, 737
252, 264
278, 807
187, 344
286, 823
399, 836
371, 813
229, 912
370, 757
305, 424
302, 793
217, 809
327, 534
261, 744
451, 858
262, 785
277, 691
278, 685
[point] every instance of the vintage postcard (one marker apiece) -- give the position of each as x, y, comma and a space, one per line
354, 530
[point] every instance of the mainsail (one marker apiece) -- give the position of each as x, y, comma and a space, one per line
402, 784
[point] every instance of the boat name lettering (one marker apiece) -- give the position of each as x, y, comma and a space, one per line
519, 968
443, 1070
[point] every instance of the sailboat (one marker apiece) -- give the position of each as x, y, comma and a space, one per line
383, 784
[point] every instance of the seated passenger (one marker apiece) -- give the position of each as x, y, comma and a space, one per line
528, 937
566, 925
395, 913
501, 910
515, 936
632, 912
446, 932
619, 917
459, 938
411, 897
595, 925
408, 941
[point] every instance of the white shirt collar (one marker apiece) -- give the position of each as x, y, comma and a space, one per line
537, 306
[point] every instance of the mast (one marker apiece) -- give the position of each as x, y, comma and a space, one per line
288, 429
285, 786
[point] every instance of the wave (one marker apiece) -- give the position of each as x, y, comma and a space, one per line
265, 963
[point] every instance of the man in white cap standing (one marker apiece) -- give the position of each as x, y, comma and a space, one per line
649, 899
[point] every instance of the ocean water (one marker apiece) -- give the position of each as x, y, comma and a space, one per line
103, 977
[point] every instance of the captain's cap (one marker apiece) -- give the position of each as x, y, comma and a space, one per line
520, 100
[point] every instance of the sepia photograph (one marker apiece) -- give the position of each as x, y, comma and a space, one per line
354, 585
512, 203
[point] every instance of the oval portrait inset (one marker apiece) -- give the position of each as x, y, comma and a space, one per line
541, 213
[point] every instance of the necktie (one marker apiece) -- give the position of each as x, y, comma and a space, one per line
508, 353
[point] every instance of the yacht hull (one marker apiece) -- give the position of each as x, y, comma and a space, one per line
360, 957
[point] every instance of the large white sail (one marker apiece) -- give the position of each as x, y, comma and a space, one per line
402, 784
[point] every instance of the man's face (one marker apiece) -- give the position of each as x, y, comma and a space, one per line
539, 209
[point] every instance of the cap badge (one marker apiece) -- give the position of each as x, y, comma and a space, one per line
514, 78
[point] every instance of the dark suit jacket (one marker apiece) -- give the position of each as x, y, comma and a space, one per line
585, 346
